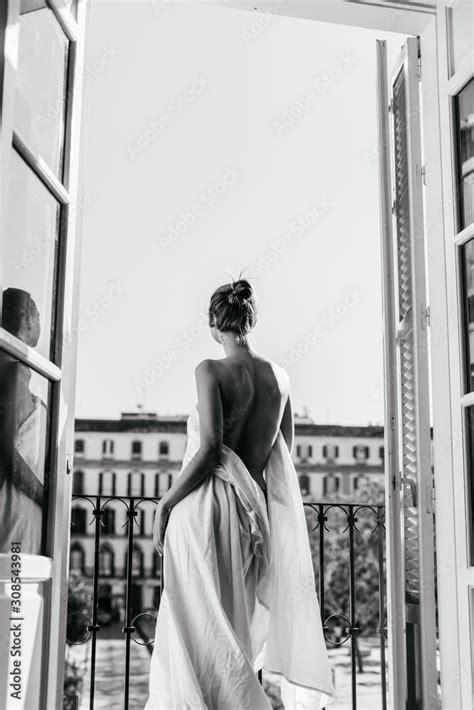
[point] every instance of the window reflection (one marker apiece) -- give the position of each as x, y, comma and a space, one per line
470, 474
465, 143
24, 397
30, 258
462, 39
468, 299
41, 81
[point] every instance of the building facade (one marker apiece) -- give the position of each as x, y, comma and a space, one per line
139, 456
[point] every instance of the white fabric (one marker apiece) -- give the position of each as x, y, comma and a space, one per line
20, 515
239, 594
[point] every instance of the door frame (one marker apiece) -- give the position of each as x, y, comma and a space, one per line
425, 20
459, 572
51, 570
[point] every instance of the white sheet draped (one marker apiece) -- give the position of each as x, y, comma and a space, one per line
239, 594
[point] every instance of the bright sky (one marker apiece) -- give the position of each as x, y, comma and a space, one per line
218, 142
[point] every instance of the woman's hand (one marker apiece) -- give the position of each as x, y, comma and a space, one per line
159, 526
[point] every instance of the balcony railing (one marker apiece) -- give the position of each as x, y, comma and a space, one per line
348, 548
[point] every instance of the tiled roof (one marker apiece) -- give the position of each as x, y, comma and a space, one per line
178, 425
143, 426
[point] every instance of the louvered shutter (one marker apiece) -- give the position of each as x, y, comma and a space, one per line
410, 534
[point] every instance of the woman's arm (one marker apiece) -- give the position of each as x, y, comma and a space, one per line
210, 450
287, 425
14, 393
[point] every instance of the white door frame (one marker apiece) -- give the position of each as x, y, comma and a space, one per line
50, 571
460, 573
422, 18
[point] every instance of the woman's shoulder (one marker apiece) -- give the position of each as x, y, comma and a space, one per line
206, 368
279, 370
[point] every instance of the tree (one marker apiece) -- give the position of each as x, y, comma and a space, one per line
78, 609
366, 526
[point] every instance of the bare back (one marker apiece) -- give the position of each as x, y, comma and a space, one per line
255, 402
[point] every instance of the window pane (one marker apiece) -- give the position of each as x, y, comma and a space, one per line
468, 304
462, 32
24, 426
465, 148
30, 250
470, 473
40, 87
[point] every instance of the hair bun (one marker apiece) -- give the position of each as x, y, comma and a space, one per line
234, 298
233, 308
242, 289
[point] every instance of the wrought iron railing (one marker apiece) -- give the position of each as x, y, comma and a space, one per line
349, 562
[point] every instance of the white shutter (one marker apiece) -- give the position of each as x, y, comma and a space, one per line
410, 534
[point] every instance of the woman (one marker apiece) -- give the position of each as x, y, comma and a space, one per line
239, 589
23, 425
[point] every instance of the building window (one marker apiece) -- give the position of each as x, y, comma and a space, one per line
108, 522
156, 565
136, 482
78, 521
163, 483
382, 452
470, 478
330, 484
107, 483
106, 561
137, 561
77, 558
360, 452
164, 449
467, 281
108, 448
298, 451
79, 447
141, 522
304, 484
78, 483
464, 109
330, 452
355, 483
136, 449
310, 451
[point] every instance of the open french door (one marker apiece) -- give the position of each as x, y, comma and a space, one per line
409, 479
41, 75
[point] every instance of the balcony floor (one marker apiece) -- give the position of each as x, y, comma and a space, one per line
110, 674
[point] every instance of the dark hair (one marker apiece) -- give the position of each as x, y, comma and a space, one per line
17, 306
233, 308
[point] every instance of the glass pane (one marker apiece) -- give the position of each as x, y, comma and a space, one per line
465, 141
24, 427
462, 29
468, 305
470, 474
30, 252
40, 86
